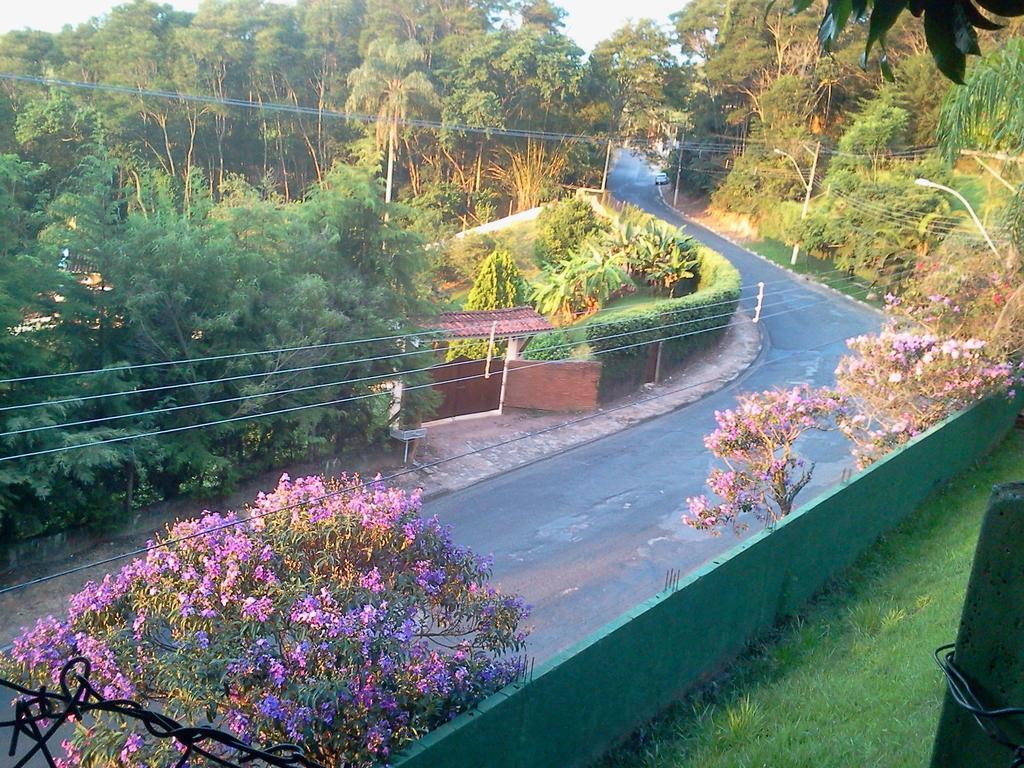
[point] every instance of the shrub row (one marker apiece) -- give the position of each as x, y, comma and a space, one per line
553, 345
626, 337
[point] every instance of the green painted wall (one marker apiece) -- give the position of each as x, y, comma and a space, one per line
592, 696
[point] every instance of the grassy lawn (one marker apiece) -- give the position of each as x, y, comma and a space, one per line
852, 682
821, 270
624, 305
614, 310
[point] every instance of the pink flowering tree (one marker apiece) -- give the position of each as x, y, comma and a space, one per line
345, 623
756, 441
900, 383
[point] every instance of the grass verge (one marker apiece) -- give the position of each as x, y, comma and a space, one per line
822, 271
851, 682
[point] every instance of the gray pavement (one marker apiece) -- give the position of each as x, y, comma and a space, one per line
590, 533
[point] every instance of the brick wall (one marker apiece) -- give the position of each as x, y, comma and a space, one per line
569, 385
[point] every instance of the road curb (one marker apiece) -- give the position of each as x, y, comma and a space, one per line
720, 384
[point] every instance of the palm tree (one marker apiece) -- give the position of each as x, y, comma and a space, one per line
389, 84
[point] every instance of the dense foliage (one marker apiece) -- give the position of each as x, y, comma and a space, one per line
768, 104
563, 227
488, 65
900, 383
553, 345
966, 294
106, 275
142, 227
344, 622
460, 257
680, 323
876, 221
633, 250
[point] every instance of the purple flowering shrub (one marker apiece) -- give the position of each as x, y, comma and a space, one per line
962, 292
348, 625
763, 474
900, 383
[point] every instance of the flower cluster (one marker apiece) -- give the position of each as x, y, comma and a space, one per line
344, 622
900, 383
964, 292
756, 440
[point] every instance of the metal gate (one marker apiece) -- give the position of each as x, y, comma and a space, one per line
464, 389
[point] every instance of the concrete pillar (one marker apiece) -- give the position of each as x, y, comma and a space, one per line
511, 353
990, 643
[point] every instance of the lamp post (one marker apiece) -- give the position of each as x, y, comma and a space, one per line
977, 222
679, 170
809, 188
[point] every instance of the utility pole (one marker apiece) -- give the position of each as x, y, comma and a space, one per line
679, 170
607, 162
809, 189
807, 199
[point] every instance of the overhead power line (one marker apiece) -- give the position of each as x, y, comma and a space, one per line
264, 106
269, 373
214, 358
717, 143
414, 336
387, 376
167, 543
381, 377
354, 398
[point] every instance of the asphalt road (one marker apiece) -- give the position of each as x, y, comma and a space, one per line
590, 533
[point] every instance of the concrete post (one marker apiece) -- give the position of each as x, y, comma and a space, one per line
512, 353
807, 199
679, 171
990, 643
607, 163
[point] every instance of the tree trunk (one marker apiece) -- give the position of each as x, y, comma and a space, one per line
392, 141
479, 166
129, 493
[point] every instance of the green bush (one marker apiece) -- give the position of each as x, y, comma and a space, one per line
498, 285
562, 228
553, 345
709, 308
462, 256
783, 223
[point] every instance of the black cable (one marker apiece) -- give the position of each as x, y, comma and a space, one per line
41, 713
964, 696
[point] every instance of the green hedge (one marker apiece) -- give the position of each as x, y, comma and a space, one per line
709, 308
553, 345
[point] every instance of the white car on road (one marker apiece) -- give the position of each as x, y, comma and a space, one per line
661, 179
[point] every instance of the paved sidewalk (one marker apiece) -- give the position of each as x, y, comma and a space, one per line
514, 434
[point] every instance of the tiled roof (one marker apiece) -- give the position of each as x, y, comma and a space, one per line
477, 324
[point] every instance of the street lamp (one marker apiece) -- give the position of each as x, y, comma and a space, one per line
791, 159
977, 222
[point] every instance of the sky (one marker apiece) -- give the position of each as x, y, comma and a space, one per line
588, 21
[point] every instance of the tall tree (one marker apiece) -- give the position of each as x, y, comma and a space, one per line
632, 69
391, 84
